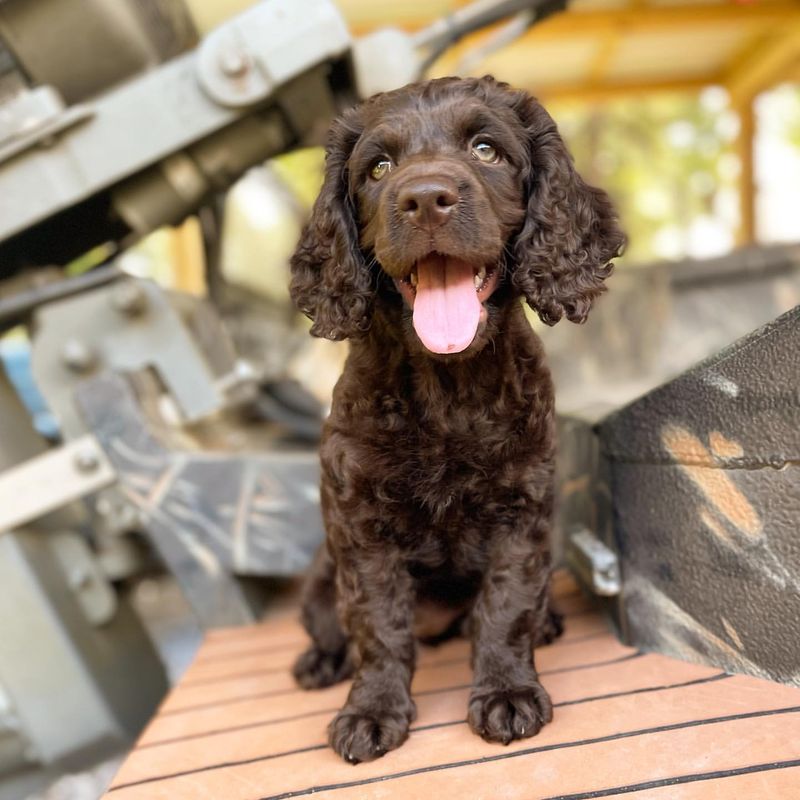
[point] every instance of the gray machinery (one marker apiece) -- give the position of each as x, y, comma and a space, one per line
115, 119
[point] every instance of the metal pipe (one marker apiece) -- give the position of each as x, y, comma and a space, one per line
15, 308
446, 31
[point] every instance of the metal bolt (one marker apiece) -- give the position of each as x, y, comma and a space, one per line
79, 578
129, 298
86, 460
234, 63
78, 355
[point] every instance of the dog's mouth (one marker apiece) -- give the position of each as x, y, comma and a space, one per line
447, 296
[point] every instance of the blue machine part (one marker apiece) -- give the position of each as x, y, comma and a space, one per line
15, 357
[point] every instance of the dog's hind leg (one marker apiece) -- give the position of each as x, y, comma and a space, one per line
548, 623
327, 660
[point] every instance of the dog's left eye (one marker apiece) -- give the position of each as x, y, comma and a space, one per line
380, 168
485, 152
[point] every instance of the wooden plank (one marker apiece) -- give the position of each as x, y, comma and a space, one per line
610, 90
265, 659
777, 783
625, 723
270, 742
766, 64
706, 727
601, 769
452, 657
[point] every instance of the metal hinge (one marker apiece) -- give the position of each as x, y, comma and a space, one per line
594, 562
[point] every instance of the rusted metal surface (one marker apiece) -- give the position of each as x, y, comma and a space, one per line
704, 474
212, 515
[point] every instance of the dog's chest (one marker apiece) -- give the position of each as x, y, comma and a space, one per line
459, 447
450, 466
436, 458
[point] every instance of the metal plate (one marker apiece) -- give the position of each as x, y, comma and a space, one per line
705, 478
210, 514
49, 481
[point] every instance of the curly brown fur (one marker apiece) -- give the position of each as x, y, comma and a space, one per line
437, 470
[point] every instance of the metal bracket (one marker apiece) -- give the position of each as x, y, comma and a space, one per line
185, 103
35, 117
247, 58
212, 514
127, 326
595, 563
51, 480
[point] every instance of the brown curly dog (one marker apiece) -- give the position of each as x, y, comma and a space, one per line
443, 203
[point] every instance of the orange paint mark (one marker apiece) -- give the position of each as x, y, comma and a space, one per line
715, 484
724, 448
714, 526
732, 634
685, 446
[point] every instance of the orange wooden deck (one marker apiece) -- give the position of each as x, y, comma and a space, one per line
626, 723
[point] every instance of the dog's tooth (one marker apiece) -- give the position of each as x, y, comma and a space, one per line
478, 281
482, 273
413, 278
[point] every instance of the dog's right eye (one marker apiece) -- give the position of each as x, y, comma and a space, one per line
380, 168
485, 152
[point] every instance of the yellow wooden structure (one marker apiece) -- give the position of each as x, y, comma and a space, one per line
603, 49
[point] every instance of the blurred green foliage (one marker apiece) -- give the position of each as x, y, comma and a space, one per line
667, 160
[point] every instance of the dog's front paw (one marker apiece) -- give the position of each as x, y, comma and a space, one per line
364, 735
502, 715
316, 669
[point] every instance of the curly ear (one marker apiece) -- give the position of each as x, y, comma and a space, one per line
570, 233
331, 283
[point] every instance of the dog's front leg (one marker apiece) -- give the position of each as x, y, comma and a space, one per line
507, 701
376, 597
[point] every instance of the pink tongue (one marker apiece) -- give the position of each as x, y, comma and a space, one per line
446, 308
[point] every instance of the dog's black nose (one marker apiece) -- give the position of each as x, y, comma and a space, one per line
428, 202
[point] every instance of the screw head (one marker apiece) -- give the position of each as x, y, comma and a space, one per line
79, 578
234, 63
87, 461
129, 298
78, 356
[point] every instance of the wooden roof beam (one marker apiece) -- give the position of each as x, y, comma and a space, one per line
604, 91
774, 59
642, 18
603, 56
634, 17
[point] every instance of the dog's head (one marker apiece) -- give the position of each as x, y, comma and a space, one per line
452, 196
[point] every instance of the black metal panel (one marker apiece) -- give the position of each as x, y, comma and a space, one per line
212, 515
705, 478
